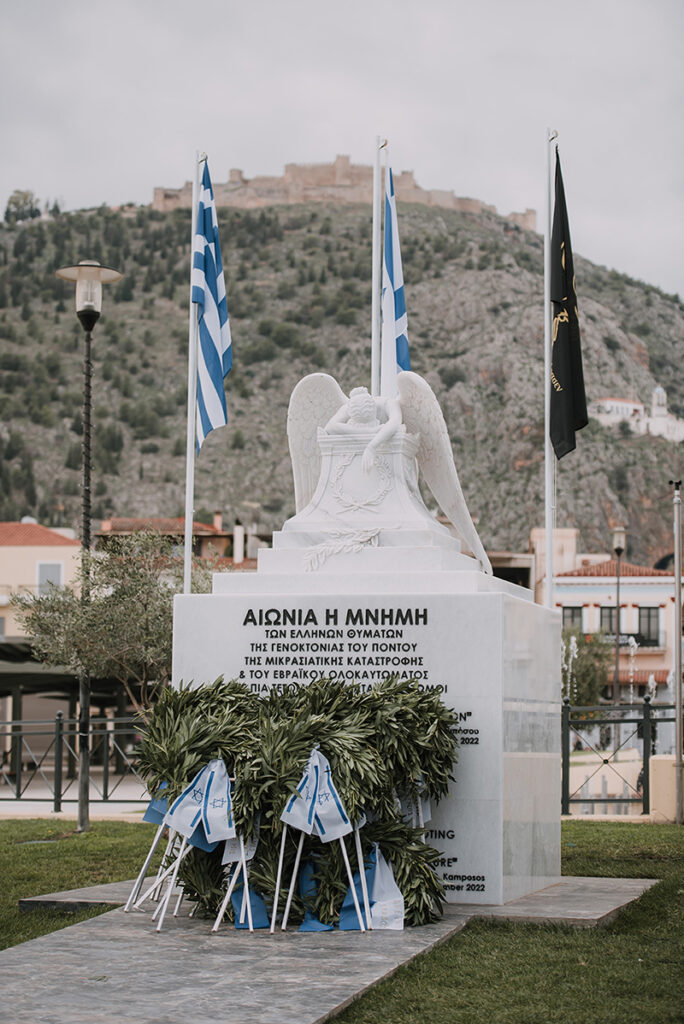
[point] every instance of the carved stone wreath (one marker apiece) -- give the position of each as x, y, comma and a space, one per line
348, 502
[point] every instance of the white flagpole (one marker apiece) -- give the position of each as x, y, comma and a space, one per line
229, 892
290, 893
362, 876
549, 456
677, 634
192, 397
357, 908
137, 886
274, 916
376, 280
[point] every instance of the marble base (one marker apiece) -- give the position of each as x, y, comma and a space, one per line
492, 652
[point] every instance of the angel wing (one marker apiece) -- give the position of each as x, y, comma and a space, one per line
422, 416
313, 402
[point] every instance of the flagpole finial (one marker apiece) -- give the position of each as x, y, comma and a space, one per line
553, 134
383, 144
201, 158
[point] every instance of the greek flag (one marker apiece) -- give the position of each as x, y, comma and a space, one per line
395, 347
214, 351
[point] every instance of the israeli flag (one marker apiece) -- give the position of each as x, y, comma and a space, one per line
204, 804
394, 342
214, 353
316, 806
301, 807
331, 820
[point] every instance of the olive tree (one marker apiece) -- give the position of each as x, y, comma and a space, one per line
124, 630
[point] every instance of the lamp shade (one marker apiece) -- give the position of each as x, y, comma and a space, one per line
89, 276
619, 539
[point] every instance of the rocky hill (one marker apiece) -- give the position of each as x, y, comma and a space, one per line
299, 299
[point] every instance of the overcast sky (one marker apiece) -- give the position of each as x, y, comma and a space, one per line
101, 101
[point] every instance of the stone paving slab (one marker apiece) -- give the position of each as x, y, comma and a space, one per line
574, 900
112, 894
116, 969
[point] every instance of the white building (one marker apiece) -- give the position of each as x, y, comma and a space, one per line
658, 422
587, 598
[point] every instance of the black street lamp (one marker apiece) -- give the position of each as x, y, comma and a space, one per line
89, 276
619, 541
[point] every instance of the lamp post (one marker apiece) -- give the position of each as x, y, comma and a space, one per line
619, 541
89, 277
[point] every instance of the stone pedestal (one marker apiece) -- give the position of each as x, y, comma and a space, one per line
493, 653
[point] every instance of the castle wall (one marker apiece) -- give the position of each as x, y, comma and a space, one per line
338, 182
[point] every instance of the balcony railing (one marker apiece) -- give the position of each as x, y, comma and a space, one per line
641, 639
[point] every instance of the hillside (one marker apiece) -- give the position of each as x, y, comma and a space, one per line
299, 299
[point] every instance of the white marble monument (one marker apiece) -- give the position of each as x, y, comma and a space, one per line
363, 582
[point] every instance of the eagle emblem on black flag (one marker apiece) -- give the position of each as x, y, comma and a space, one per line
568, 400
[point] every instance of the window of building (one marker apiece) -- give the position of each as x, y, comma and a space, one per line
49, 572
649, 625
572, 618
608, 620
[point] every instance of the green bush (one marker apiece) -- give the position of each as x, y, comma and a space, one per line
392, 739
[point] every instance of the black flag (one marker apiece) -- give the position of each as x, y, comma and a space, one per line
568, 401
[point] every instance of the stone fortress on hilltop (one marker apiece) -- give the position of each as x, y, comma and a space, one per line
338, 182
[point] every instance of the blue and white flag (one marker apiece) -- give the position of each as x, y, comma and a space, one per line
394, 343
316, 807
214, 350
157, 807
301, 807
330, 818
204, 804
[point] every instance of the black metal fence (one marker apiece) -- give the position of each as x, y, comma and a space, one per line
641, 722
40, 758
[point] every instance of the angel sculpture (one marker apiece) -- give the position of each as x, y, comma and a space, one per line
319, 410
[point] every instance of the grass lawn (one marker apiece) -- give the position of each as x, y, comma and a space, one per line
491, 973
39, 856
499, 973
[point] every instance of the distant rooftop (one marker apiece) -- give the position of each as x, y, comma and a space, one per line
33, 535
132, 524
610, 569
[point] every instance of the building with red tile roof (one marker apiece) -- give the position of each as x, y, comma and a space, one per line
31, 557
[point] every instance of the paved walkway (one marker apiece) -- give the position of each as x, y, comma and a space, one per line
115, 969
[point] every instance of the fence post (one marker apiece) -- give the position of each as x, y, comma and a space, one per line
16, 742
105, 763
645, 786
59, 740
565, 754
71, 733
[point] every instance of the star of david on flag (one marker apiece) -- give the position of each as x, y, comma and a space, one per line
204, 807
215, 352
316, 806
